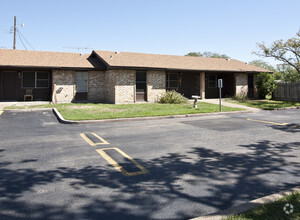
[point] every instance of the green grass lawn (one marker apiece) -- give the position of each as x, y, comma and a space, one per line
265, 104
273, 210
91, 111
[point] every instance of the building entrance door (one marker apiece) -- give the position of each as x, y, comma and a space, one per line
250, 86
9, 86
81, 86
141, 86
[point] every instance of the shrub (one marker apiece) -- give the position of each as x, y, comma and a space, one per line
265, 84
240, 97
172, 97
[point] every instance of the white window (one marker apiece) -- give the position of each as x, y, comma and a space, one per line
35, 79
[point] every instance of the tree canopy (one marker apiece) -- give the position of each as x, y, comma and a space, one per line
287, 51
207, 54
286, 73
282, 72
262, 64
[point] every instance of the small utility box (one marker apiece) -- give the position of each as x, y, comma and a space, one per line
195, 97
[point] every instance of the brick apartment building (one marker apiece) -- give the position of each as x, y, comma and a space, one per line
119, 77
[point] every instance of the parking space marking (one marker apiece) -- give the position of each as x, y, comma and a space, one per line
92, 143
1, 112
268, 122
117, 166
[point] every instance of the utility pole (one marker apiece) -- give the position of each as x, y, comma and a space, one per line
15, 32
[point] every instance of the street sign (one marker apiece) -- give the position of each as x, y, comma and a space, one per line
220, 83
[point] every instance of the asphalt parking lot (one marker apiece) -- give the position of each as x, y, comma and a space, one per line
158, 169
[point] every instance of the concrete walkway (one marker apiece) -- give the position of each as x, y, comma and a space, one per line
5, 104
228, 104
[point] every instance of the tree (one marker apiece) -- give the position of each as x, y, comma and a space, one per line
262, 64
194, 54
287, 73
282, 72
286, 51
265, 84
208, 54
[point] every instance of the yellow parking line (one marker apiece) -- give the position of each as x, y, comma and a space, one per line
268, 122
1, 112
91, 142
118, 166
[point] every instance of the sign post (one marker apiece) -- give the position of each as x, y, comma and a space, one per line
220, 86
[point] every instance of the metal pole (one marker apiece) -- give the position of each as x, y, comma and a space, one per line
15, 31
220, 95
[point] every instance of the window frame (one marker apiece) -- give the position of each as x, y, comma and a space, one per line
169, 80
36, 80
214, 81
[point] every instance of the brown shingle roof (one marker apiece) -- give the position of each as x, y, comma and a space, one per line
126, 59
27, 58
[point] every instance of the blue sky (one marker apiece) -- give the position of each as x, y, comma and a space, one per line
232, 27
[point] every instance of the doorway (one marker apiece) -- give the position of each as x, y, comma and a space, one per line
9, 86
250, 86
190, 84
81, 86
141, 86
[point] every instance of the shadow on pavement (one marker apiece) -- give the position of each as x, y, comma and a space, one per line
218, 180
291, 128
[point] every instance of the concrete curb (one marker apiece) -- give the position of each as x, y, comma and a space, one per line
64, 121
246, 206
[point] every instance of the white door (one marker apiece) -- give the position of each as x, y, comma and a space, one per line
81, 82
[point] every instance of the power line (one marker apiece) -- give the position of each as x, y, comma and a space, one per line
21, 40
15, 31
25, 39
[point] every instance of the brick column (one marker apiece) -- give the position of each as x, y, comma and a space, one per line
156, 84
202, 85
